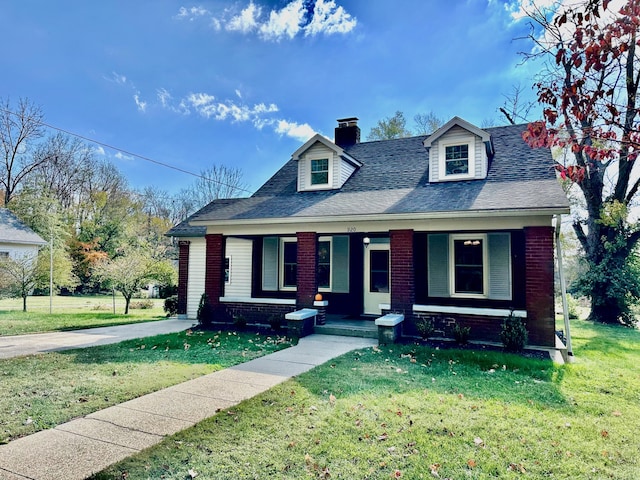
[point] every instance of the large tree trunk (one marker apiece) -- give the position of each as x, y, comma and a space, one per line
24, 303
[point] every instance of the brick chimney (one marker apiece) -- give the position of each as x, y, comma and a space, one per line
347, 132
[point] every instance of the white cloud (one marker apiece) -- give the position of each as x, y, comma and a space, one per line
164, 96
118, 78
259, 115
122, 156
142, 105
98, 150
328, 18
301, 132
191, 13
284, 22
307, 17
246, 21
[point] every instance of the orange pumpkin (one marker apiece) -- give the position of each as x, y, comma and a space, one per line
318, 297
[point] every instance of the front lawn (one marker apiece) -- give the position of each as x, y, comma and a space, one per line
42, 391
415, 412
70, 313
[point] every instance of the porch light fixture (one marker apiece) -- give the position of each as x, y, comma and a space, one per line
366, 241
475, 243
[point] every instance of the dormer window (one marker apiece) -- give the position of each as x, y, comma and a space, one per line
458, 151
323, 165
457, 159
320, 171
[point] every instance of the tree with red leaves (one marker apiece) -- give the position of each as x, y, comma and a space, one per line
591, 121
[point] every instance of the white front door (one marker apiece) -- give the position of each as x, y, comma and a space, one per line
377, 280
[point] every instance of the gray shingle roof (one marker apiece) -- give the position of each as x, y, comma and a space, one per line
13, 230
394, 179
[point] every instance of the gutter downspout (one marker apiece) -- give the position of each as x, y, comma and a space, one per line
563, 287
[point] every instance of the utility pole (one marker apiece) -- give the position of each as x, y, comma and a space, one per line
51, 273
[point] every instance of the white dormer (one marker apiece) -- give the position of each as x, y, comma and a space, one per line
323, 165
458, 151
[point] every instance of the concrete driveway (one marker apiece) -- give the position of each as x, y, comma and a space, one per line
18, 345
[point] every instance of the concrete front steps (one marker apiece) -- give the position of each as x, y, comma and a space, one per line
348, 328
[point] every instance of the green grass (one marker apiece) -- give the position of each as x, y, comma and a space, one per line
414, 412
70, 313
41, 391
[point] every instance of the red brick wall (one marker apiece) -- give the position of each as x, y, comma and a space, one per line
183, 275
253, 312
307, 266
402, 272
214, 274
540, 285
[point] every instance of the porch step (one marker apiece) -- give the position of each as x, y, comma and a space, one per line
362, 329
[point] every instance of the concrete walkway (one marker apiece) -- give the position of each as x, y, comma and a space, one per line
84, 446
17, 345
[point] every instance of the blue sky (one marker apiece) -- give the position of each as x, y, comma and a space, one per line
243, 84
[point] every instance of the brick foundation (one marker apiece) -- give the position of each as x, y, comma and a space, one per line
255, 313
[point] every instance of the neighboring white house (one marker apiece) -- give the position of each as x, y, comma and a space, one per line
17, 241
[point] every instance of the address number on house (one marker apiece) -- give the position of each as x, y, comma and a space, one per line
351, 229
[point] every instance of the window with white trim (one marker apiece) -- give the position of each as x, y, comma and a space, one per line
457, 159
474, 265
468, 263
324, 264
319, 171
288, 264
227, 270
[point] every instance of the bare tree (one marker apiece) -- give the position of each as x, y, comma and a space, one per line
427, 123
218, 181
19, 130
515, 108
64, 174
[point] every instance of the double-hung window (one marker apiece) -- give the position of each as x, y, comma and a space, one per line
324, 264
468, 262
457, 159
473, 265
320, 171
289, 264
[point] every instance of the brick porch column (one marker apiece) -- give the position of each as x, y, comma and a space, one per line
183, 275
402, 272
540, 285
214, 269
307, 266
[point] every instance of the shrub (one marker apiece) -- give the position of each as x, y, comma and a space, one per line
171, 305
275, 321
514, 334
239, 321
205, 311
572, 307
461, 334
142, 305
425, 327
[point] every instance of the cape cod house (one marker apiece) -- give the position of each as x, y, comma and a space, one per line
456, 226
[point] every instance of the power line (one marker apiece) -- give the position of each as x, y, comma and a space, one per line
131, 154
